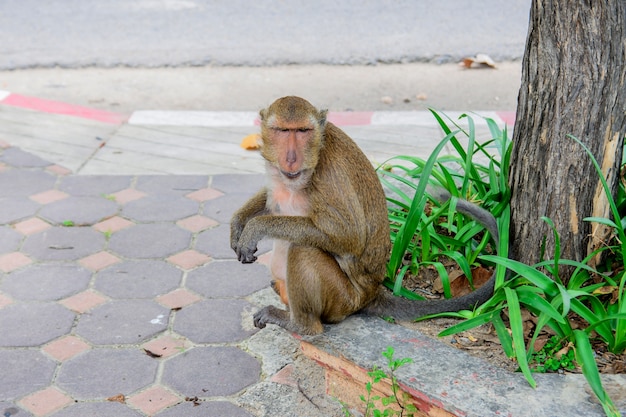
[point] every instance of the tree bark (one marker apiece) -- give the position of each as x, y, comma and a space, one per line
573, 82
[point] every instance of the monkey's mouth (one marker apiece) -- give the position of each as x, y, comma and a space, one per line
291, 175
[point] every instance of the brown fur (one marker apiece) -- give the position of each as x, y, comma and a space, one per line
326, 211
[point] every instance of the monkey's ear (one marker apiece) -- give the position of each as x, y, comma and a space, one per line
263, 114
321, 118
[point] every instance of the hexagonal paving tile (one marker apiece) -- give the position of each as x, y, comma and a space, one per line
46, 282
22, 183
94, 185
171, 184
81, 211
24, 371
123, 322
9, 239
218, 280
211, 371
103, 373
150, 241
214, 321
33, 324
14, 209
107, 408
160, 208
64, 243
138, 279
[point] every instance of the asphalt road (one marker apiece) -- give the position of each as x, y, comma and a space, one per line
157, 33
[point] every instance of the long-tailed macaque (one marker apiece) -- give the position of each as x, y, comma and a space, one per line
325, 208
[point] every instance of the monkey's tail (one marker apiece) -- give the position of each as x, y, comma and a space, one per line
400, 308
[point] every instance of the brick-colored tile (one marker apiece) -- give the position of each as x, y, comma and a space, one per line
265, 259
31, 226
4, 300
153, 400
178, 299
113, 225
285, 376
189, 259
49, 196
66, 348
45, 401
58, 170
84, 301
204, 194
99, 261
128, 195
12, 261
197, 223
166, 346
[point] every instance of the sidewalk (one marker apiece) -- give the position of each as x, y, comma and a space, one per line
119, 293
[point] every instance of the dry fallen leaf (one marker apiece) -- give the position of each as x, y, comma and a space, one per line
480, 60
251, 142
119, 398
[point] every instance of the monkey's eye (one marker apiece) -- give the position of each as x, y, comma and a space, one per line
304, 129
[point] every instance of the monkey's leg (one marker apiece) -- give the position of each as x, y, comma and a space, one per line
319, 291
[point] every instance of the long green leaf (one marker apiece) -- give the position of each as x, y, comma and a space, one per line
517, 332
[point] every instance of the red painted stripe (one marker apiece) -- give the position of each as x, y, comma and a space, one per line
350, 118
507, 117
56, 107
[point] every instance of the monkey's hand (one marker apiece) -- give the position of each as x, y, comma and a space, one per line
236, 227
245, 249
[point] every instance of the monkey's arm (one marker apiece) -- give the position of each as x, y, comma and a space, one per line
298, 230
256, 206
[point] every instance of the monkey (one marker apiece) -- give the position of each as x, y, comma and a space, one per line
325, 208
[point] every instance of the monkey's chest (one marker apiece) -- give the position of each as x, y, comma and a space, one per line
287, 202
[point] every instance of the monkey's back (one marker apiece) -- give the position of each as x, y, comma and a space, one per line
355, 202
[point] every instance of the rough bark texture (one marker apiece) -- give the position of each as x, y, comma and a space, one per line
573, 82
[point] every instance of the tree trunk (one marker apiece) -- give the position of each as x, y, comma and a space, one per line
573, 82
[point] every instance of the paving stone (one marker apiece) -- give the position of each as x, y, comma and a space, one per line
14, 209
46, 282
241, 184
100, 409
178, 299
166, 346
153, 400
81, 211
204, 409
13, 260
211, 371
21, 183
123, 322
138, 279
65, 348
13, 410
176, 184
188, 259
49, 196
228, 279
46, 401
31, 226
9, 239
222, 209
205, 194
103, 373
94, 185
113, 225
23, 372
33, 324
19, 158
150, 241
214, 321
99, 261
84, 301
64, 243
127, 195
196, 223
160, 208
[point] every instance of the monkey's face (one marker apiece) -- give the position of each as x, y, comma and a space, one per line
292, 137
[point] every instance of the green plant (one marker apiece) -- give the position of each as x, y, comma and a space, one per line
596, 297
67, 223
428, 238
376, 376
553, 356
